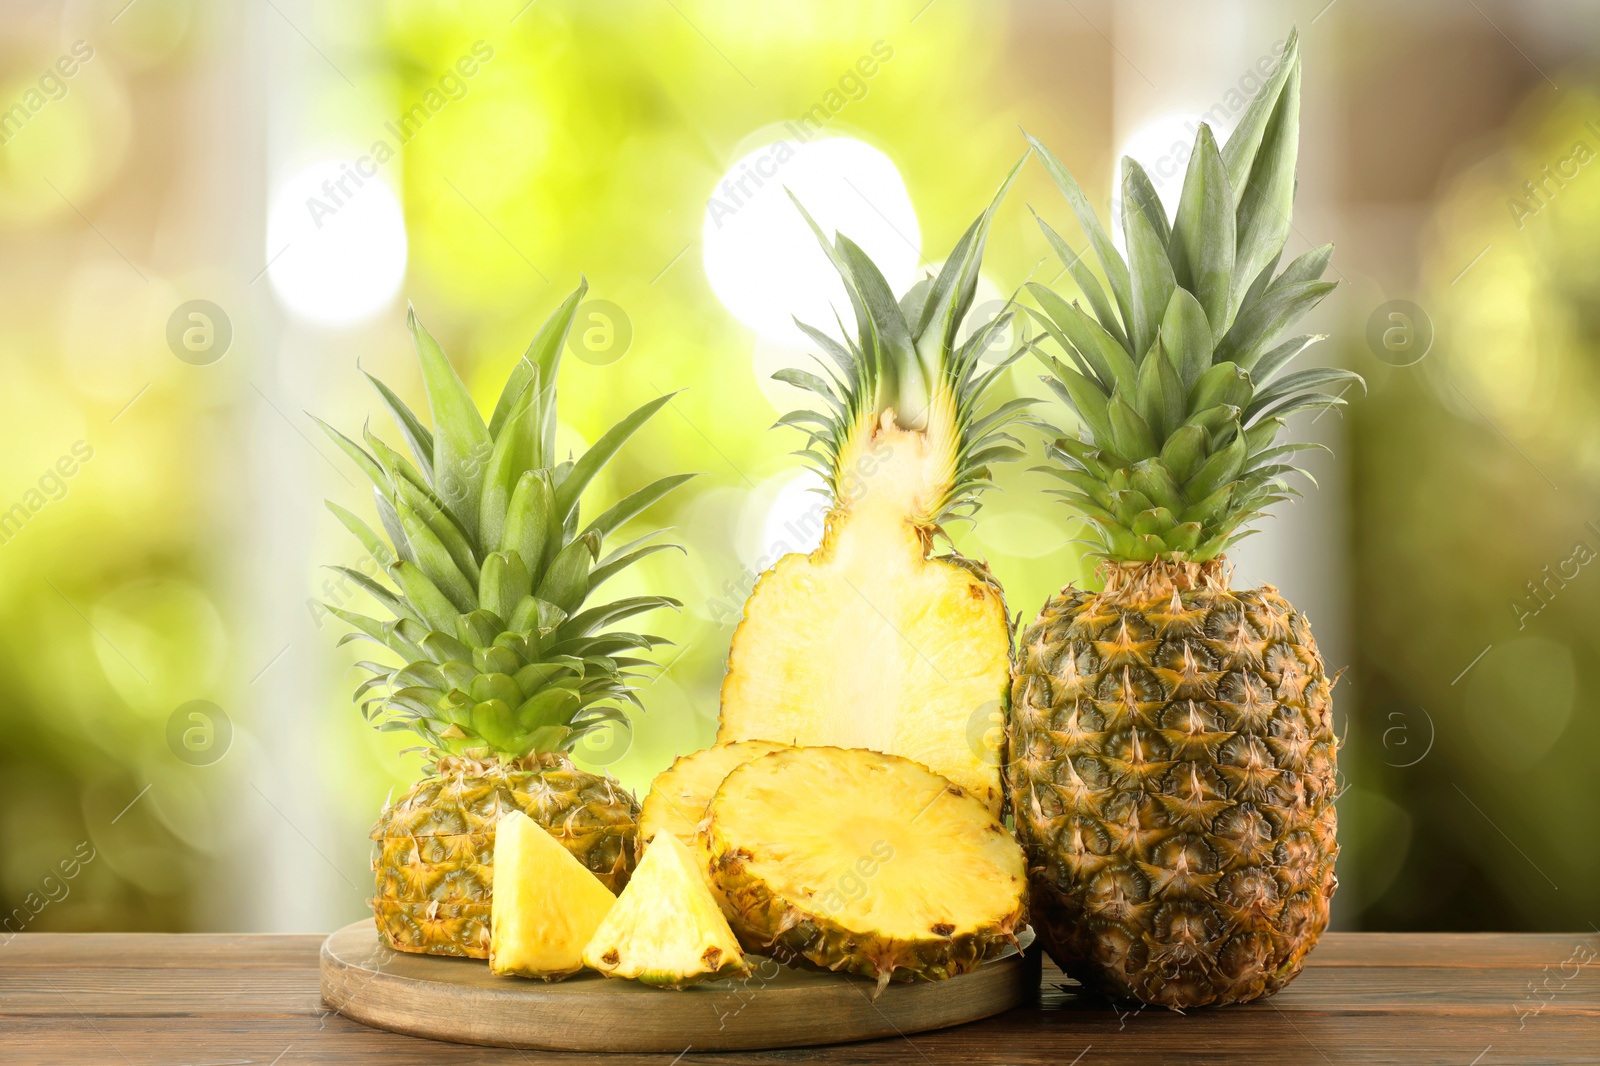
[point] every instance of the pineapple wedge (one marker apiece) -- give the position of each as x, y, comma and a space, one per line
680, 794
666, 929
866, 863
546, 904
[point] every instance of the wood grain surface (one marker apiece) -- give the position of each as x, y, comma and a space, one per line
228, 1000
775, 1007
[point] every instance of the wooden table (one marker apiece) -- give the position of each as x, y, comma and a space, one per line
210, 1000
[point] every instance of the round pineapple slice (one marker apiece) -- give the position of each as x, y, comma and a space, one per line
680, 794
852, 860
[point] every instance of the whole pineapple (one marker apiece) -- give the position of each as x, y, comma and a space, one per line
1172, 755
500, 668
871, 641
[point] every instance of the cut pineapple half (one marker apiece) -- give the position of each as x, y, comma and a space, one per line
680, 794
666, 929
868, 863
869, 643
545, 904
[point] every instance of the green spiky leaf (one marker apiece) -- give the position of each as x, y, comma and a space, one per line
491, 571
1182, 410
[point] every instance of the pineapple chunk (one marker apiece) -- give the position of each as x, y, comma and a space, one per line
680, 793
546, 904
866, 643
666, 929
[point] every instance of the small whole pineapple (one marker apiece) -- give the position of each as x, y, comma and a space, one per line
501, 669
1171, 750
435, 862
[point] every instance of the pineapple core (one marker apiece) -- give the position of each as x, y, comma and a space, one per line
666, 928
546, 904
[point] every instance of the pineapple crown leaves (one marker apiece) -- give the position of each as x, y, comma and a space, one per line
905, 357
491, 565
1176, 372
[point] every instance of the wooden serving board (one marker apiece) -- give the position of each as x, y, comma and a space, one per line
776, 1006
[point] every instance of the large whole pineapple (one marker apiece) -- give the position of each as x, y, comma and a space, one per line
500, 668
1172, 756
870, 641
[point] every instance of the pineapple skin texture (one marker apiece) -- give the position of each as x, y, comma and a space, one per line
769, 924
1172, 774
434, 862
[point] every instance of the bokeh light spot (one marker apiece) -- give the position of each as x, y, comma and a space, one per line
763, 261
336, 240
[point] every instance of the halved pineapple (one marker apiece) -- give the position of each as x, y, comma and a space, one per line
871, 641
868, 863
680, 793
546, 904
666, 929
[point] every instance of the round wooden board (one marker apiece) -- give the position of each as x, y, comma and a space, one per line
460, 1000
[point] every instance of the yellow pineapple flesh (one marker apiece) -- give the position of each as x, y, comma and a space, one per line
679, 794
667, 929
870, 643
546, 906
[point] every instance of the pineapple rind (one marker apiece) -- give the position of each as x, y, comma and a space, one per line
1172, 759
435, 844
434, 927
775, 909
1173, 780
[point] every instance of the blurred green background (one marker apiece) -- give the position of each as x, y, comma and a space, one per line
161, 525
